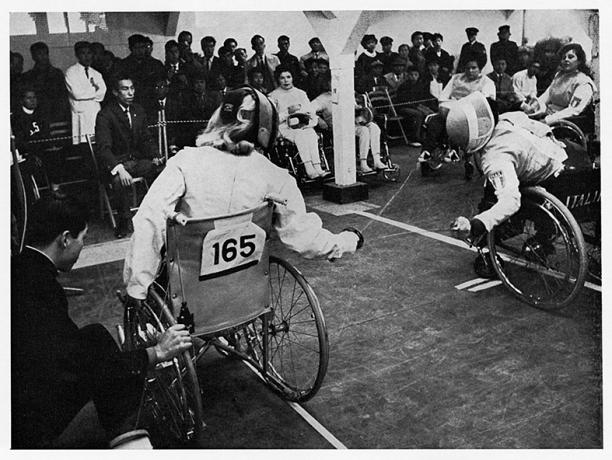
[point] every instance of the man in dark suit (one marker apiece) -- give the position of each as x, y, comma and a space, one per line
506, 49
209, 63
287, 59
125, 147
56, 368
142, 68
436, 53
471, 49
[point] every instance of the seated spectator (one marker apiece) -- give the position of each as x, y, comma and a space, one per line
524, 58
472, 49
48, 82
86, 89
175, 69
226, 65
415, 102
203, 102
267, 64
57, 367
436, 53
572, 90
525, 84
398, 74
175, 106
416, 54
296, 119
507, 101
240, 73
316, 51
471, 80
285, 58
436, 79
460, 85
374, 78
404, 51
256, 80
387, 56
125, 148
313, 83
16, 79
428, 41
369, 55
143, 69
29, 124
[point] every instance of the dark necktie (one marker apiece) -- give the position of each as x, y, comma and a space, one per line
129, 117
87, 72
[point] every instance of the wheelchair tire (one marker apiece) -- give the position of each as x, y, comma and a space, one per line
543, 249
566, 130
295, 338
172, 400
392, 174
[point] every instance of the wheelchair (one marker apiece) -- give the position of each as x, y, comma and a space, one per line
285, 154
546, 251
219, 279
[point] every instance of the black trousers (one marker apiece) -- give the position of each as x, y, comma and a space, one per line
102, 378
122, 196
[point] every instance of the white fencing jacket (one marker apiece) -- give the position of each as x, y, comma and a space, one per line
206, 182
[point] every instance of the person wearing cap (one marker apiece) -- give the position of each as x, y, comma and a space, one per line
436, 53
369, 55
397, 76
509, 152
225, 174
316, 52
472, 48
505, 48
374, 78
387, 56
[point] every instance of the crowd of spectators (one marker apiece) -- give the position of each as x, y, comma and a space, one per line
189, 85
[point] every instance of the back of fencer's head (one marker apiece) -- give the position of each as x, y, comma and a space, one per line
246, 118
470, 122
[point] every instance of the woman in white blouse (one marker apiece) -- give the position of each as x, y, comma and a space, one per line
296, 121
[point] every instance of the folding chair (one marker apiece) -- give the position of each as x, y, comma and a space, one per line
103, 187
381, 101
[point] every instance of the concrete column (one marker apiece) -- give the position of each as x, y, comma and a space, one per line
343, 111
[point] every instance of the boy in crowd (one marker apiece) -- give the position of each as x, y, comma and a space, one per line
436, 53
504, 90
387, 56
398, 74
416, 54
316, 51
415, 102
287, 59
266, 63
525, 85
372, 79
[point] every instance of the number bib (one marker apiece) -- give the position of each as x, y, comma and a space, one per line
231, 248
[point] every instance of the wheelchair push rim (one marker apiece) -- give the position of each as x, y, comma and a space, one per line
539, 253
171, 398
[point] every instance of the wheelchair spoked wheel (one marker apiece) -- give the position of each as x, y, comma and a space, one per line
172, 399
566, 130
543, 250
293, 336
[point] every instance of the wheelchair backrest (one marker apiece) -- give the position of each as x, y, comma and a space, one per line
218, 267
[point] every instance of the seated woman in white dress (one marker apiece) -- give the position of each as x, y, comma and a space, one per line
296, 120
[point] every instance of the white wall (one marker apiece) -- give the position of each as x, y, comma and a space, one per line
398, 24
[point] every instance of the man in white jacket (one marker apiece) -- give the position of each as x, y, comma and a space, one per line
223, 175
86, 89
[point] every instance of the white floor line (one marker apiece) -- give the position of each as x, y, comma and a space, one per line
470, 283
439, 237
313, 422
482, 287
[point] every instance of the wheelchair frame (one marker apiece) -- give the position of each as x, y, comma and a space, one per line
266, 342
